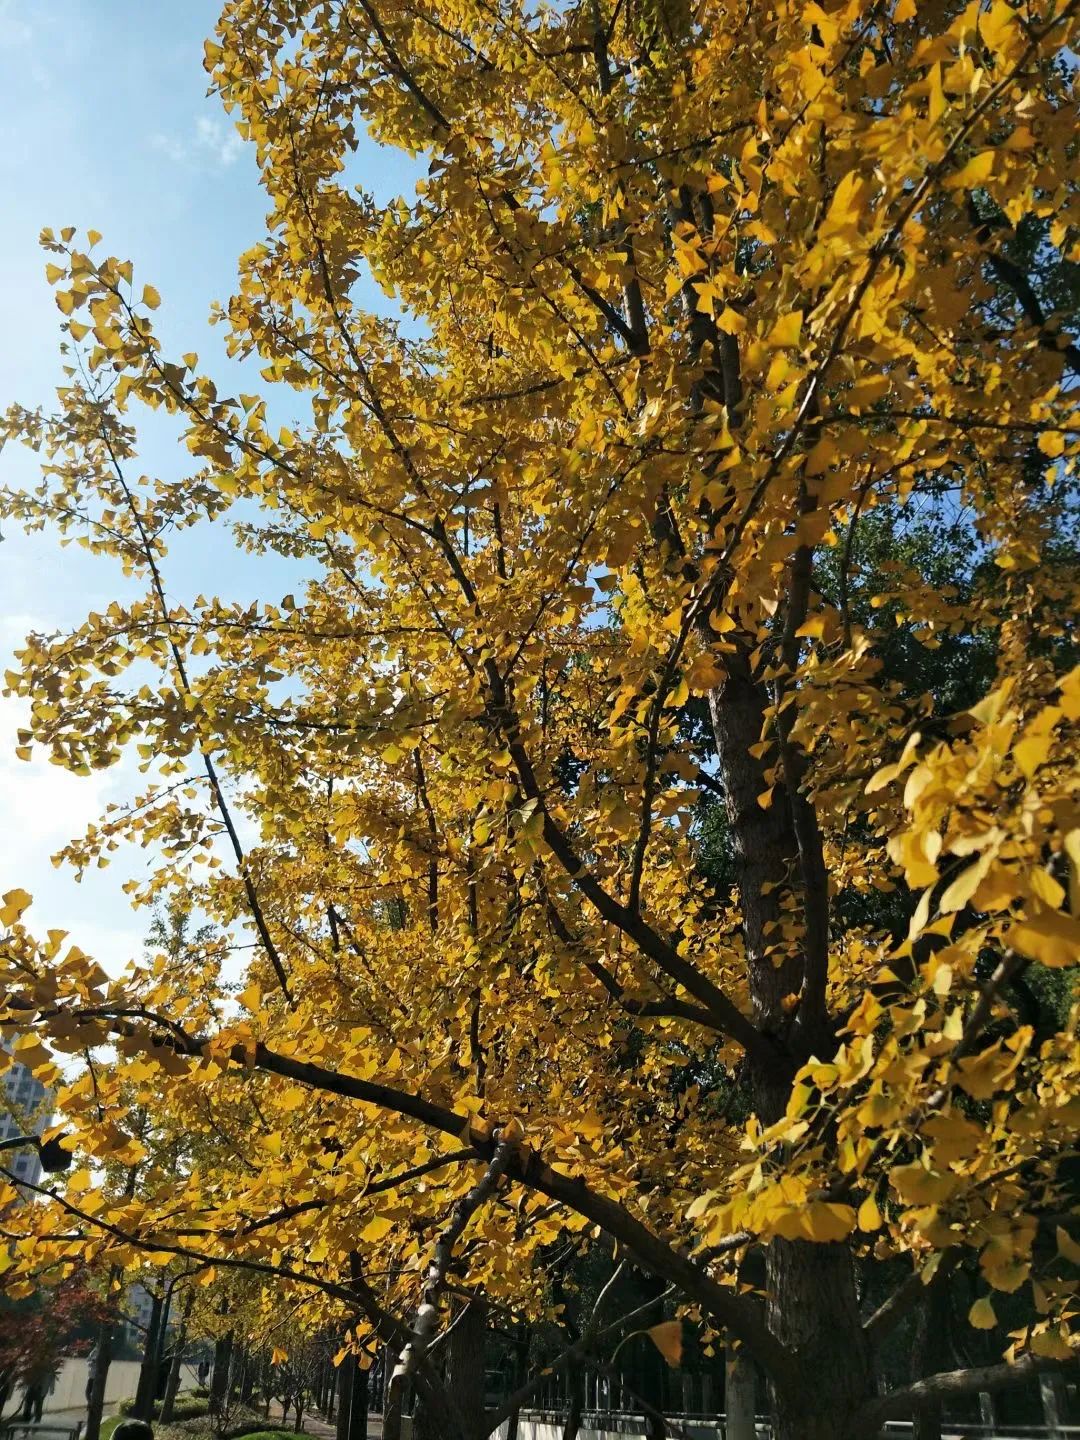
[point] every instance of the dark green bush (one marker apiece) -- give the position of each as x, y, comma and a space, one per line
188, 1406
258, 1432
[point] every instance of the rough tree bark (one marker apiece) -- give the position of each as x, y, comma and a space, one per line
219, 1377
330, 1393
172, 1384
358, 1411
143, 1408
465, 1355
926, 1421
811, 1304
95, 1399
352, 1414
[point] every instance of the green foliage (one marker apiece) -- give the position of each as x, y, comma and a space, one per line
185, 1407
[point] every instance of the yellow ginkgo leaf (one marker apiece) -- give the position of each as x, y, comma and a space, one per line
15, 902
786, 331
1051, 937
376, 1229
869, 1216
668, 1339
975, 173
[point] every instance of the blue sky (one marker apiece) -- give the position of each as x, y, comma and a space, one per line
105, 124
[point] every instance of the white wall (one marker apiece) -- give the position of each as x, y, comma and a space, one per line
538, 1430
70, 1390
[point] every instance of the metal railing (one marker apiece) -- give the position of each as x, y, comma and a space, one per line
11, 1429
701, 1427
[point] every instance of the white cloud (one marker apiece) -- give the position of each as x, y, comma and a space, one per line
221, 140
47, 805
44, 807
14, 629
211, 144
15, 29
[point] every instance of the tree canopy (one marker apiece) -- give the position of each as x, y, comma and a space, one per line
700, 317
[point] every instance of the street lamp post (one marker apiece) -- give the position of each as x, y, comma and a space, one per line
51, 1153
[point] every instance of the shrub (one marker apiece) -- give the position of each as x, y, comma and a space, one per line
185, 1407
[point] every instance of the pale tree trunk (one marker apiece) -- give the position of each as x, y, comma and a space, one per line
392, 1399
517, 1377
739, 1397
1052, 1394
462, 1356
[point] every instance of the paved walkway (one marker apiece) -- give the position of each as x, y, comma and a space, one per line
314, 1424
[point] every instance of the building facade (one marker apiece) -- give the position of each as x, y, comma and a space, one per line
26, 1110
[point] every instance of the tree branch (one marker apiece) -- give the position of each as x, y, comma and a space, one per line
738, 1313
905, 1297
428, 1314
952, 1383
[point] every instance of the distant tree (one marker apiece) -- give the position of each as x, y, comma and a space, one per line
37, 1331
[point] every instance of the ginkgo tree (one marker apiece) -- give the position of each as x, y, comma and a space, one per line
694, 291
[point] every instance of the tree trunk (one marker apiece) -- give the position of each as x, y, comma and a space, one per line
811, 1304
219, 1376
358, 1411
740, 1400
517, 1377
655, 1427
928, 1341
172, 1384
465, 1366
391, 1400
347, 1372
811, 1307
689, 1406
95, 1400
1052, 1393
427, 1423
143, 1409
926, 1422
162, 1341
576, 1381
248, 1376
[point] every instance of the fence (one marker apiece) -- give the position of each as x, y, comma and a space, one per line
623, 1425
